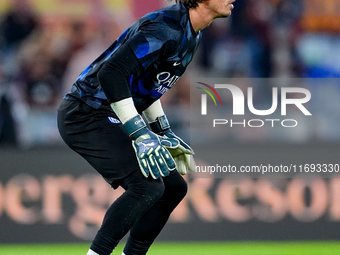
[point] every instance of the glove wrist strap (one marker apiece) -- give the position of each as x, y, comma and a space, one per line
135, 126
160, 124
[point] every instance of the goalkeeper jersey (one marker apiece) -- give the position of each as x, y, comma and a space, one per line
164, 43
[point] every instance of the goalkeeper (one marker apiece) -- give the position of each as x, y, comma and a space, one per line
100, 119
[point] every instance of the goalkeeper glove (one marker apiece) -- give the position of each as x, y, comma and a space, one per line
153, 158
182, 154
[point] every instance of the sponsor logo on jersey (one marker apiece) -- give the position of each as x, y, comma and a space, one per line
114, 120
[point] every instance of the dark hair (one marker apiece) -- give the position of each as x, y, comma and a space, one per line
190, 4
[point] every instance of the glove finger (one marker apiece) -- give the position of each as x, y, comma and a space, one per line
181, 167
164, 170
159, 157
142, 162
162, 167
177, 162
186, 150
186, 147
161, 163
145, 171
169, 161
179, 150
190, 162
154, 168
174, 152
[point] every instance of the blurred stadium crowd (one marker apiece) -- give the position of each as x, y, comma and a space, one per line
45, 44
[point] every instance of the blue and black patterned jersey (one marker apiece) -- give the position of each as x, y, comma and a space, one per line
162, 66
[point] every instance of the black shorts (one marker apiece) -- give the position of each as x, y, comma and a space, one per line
99, 137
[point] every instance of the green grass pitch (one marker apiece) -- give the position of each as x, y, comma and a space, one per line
183, 248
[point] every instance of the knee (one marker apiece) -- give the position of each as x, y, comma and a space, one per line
150, 189
176, 189
154, 189
181, 189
